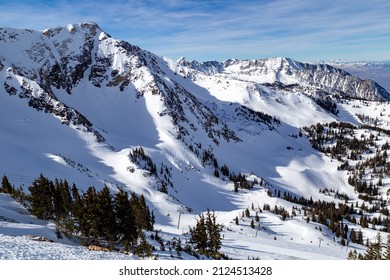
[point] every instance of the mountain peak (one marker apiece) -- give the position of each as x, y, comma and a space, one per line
89, 28
182, 60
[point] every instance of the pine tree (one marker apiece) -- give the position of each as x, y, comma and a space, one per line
42, 198
143, 217
107, 221
89, 220
378, 246
374, 249
6, 186
235, 187
125, 220
62, 208
360, 237
144, 249
352, 236
225, 170
77, 209
352, 255
178, 248
66, 197
214, 233
386, 255
206, 235
163, 188
59, 205
345, 231
199, 235
337, 230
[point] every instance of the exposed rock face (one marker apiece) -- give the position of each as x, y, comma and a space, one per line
309, 78
63, 58
37, 65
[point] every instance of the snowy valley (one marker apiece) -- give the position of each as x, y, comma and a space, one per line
269, 145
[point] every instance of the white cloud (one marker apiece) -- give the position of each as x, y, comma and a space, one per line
217, 29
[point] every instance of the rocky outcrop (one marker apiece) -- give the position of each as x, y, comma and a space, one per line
62, 58
285, 72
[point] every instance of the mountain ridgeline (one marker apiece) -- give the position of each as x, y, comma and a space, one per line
35, 63
63, 58
313, 79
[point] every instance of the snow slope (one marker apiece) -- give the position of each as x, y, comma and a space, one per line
18, 230
76, 102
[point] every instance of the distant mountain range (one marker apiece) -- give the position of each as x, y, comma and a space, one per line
378, 71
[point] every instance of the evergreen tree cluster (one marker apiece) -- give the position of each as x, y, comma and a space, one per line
335, 216
335, 193
327, 103
15, 193
337, 139
93, 216
368, 120
281, 211
240, 182
139, 157
363, 152
376, 250
208, 158
206, 236
164, 177
257, 116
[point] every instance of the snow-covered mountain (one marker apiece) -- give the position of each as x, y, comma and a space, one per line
77, 103
378, 71
313, 79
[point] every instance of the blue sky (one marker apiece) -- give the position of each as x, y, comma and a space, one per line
304, 30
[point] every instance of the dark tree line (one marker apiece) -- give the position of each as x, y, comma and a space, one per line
337, 139
93, 216
335, 216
